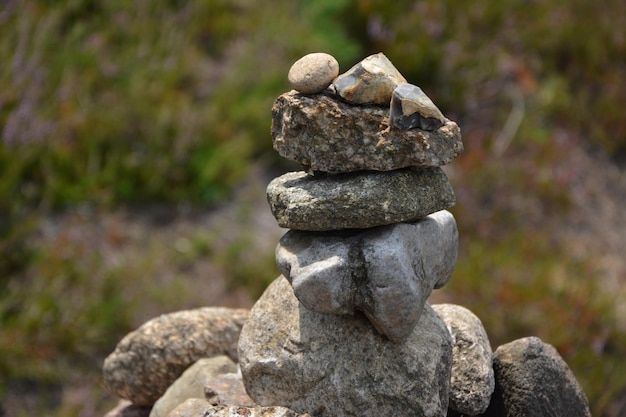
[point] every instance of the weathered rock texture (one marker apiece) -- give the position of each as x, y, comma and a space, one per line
472, 380
200, 408
330, 365
358, 200
386, 272
146, 361
326, 134
191, 383
533, 380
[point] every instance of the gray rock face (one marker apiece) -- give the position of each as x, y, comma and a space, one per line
411, 107
533, 380
472, 381
200, 408
146, 361
386, 272
191, 383
371, 81
313, 73
330, 365
358, 200
329, 135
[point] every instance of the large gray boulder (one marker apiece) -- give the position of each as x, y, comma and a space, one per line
146, 361
330, 365
327, 134
533, 380
387, 272
358, 200
472, 381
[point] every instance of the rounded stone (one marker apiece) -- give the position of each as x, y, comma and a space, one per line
148, 360
312, 73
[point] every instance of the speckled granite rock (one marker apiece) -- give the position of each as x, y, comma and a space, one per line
146, 361
330, 365
472, 380
387, 272
326, 134
358, 200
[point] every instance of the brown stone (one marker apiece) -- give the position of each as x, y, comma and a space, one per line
326, 134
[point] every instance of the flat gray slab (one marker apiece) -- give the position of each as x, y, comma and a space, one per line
358, 200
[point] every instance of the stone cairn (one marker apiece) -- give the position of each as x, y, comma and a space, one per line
346, 330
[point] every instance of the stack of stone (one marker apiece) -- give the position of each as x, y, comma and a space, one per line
347, 330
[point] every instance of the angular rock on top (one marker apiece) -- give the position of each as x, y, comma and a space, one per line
386, 272
411, 108
358, 200
329, 135
146, 361
329, 365
371, 81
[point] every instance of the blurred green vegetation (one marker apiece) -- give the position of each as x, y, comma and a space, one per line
113, 103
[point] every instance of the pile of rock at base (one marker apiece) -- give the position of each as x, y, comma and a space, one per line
347, 330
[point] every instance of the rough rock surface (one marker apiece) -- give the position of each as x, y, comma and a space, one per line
411, 107
191, 383
330, 365
227, 389
200, 408
358, 200
146, 361
387, 272
329, 135
370, 81
472, 380
533, 380
313, 73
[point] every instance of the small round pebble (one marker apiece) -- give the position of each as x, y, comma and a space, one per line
312, 73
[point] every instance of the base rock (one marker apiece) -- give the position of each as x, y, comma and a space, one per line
329, 365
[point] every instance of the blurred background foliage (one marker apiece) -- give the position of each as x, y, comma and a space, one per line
117, 104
